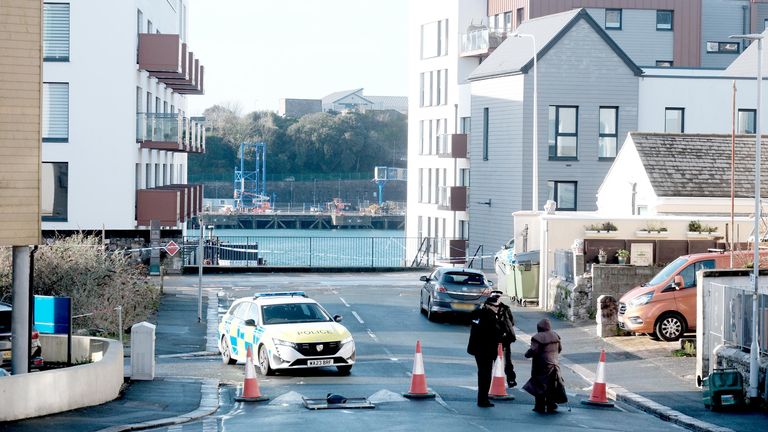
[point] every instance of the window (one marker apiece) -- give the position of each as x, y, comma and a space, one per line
466, 125
158, 180
507, 21
421, 185
158, 105
563, 127
485, 134
147, 176
149, 102
439, 90
609, 136
674, 120
464, 177
434, 39
56, 32
55, 112
137, 176
463, 229
564, 194
54, 178
421, 137
421, 89
664, 19
613, 19
689, 273
139, 21
723, 47
520, 16
746, 121
664, 63
150, 27
429, 185
419, 227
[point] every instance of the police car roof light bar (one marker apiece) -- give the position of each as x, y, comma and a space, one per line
280, 294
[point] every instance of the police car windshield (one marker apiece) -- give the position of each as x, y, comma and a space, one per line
293, 313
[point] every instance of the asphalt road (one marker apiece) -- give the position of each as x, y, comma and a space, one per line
381, 311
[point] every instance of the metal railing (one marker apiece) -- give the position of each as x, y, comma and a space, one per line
315, 251
481, 40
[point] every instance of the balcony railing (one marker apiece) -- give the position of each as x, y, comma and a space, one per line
170, 131
166, 58
481, 41
452, 198
452, 146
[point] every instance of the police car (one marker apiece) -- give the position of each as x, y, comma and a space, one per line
285, 330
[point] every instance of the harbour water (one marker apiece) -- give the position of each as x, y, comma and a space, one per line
314, 248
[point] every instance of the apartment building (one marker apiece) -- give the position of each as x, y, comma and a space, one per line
115, 132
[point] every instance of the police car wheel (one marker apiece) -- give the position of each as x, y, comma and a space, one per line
226, 353
264, 366
344, 370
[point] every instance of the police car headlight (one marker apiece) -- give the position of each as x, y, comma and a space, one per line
283, 343
347, 340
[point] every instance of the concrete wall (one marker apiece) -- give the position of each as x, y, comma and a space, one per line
616, 280
53, 391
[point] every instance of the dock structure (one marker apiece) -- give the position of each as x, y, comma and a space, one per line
300, 220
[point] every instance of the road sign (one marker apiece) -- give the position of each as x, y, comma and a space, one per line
172, 248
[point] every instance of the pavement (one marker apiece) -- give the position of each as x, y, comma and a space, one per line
640, 372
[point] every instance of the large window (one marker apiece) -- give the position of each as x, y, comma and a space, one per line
664, 19
55, 112
613, 19
608, 140
746, 121
485, 134
674, 120
563, 127
564, 194
54, 190
434, 39
56, 31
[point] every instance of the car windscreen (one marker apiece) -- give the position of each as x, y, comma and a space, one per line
5, 320
667, 271
463, 278
293, 313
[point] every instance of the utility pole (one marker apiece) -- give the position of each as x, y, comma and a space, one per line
20, 318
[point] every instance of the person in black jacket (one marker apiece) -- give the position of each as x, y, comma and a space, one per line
507, 326
484, 338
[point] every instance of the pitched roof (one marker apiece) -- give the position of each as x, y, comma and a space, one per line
745, 65
515, 55
690, 165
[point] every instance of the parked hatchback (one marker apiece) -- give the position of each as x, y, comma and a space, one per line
454, 290
6, 311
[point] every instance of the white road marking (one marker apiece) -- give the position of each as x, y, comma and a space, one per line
344, 301
358, 318
391, 356
373, 336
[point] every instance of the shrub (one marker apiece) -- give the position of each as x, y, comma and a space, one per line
97, 281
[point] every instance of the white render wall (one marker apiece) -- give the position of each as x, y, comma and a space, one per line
102, 73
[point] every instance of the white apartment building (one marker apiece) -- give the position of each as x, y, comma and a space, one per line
116, 135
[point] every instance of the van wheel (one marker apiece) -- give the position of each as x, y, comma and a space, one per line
670, 327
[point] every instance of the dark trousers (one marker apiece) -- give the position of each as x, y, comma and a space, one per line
509, 369
484, 376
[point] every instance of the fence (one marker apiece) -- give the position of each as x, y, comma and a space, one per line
564, 264
315, 251
728, 316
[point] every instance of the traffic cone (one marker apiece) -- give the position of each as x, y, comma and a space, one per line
499, 383
251, 392
598, 397
419, 388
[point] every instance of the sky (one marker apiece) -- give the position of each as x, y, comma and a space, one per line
256, 52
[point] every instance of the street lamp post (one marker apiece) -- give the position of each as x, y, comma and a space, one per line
754, 368
535, 149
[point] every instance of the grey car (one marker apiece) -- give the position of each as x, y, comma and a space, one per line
5, 339
454, 290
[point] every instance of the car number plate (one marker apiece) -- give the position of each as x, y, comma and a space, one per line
727, 400
325, 362
6, 354
463, 306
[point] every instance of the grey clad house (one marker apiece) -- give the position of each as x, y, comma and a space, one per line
587, 103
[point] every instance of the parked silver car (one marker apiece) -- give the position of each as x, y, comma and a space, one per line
6, 311
454, 290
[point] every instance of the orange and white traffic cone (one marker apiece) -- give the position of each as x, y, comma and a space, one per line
499, 383
598, 397
251, 392
419, 388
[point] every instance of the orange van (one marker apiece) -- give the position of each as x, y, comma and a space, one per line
665, 306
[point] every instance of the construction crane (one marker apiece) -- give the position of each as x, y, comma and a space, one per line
381, 175
250, 185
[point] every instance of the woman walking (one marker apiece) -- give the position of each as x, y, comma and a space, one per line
546, 384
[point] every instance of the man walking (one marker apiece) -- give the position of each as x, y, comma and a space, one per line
484, 338
507, 326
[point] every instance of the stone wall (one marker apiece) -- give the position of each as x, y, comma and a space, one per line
615, 280
734, 358
572, 300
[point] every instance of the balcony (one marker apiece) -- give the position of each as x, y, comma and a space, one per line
167, 131
452, 146
453, 198
166, 58
171, 204
480, 41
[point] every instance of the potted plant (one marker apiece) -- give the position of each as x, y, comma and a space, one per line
605, 229
622, 255
652, 229
698, 230
602, 257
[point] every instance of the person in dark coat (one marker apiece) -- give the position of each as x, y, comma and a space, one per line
484, 338
546, 384
507, 325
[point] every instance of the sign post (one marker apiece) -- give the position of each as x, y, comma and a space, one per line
53, 315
